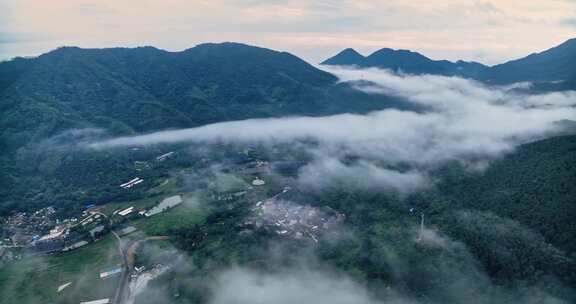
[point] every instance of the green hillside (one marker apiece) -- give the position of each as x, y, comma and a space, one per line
535, 186
120, 91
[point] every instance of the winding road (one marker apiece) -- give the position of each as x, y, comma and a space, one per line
128, 255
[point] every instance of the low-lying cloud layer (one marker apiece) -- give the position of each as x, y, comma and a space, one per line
247, 286
364, 175
466, 121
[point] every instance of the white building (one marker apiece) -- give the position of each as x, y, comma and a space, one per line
101, 301
63, 286
126, 211
167, 203
258, 182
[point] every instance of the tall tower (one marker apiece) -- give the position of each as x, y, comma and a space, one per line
421, 228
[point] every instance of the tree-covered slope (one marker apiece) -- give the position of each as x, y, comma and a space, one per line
557, 64
500, 236
406, 61
133, 90
145, 89
553, 69
535, 185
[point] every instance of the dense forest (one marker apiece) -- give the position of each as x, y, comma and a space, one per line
500, 236
72, 94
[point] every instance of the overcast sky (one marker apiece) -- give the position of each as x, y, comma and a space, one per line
489, 31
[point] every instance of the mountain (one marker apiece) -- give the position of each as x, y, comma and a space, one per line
557, 64
407, 62
144, 89
123, 91
553, 69
346, 57
501, 235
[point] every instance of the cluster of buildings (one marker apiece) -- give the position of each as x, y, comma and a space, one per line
278, 214
164, 205
70, 234
43, 232
22, 228
67, 240
289, 219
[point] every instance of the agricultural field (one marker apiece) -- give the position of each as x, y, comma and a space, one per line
36, 279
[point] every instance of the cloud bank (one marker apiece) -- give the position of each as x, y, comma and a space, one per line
466, 122
247, 286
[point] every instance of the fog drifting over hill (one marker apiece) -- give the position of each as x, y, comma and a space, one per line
465, 121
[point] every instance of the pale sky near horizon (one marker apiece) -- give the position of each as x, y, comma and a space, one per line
488, 31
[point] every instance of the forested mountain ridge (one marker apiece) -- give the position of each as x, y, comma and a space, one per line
133, 90
138, 87
347, 56
406, 61
146, 89
552, 69
557, 64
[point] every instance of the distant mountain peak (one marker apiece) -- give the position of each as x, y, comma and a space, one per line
351, 51
389, 54
406, 61
348, 56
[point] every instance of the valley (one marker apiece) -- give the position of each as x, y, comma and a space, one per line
138, 175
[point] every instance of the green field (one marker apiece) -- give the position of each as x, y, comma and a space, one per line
185, 215
36, 279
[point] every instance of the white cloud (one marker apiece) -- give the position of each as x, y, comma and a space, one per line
244, 286
466, 122
327, 171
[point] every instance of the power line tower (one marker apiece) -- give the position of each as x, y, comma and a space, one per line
421, 227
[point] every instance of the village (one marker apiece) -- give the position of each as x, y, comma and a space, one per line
43, 232
288, 219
